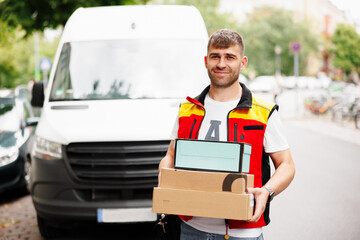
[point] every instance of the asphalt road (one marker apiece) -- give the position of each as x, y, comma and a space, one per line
321, 203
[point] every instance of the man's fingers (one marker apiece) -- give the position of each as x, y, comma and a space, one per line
257, 214
260, 203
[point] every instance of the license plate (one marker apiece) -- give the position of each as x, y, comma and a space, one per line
123, 215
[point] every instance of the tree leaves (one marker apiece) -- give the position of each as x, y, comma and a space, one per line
267, 27
346, 51
36, 15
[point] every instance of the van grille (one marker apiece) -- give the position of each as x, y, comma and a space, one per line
128, 165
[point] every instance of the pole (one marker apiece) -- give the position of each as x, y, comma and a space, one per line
36, 53
45, 77
296, 65
296, 75
277, 54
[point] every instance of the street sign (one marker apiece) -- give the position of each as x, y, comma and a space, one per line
45, 64
295, 46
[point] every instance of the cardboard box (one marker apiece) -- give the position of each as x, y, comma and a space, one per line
205, 181
204, 194
212, 156
224, 205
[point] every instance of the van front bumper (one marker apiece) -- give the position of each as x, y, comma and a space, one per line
58, 196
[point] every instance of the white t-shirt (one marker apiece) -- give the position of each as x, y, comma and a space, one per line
214, 127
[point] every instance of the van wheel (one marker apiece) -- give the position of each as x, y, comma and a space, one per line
47, 230
27, 175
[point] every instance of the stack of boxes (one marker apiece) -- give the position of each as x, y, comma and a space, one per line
209, 180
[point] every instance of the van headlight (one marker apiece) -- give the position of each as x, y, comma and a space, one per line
8, 155
45, 149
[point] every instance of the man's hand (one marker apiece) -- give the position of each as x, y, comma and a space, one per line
261, 196
168, 160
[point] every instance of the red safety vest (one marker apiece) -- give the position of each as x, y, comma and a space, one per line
246, 123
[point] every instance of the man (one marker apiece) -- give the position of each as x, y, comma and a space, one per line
228, 111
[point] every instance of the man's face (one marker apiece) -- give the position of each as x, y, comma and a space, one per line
224, 65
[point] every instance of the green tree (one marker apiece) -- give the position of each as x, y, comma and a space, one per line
346, 48
36, 15
17, 57
267, 27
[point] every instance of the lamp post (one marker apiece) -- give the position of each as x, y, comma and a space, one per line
295, 48
277, 54
36, 55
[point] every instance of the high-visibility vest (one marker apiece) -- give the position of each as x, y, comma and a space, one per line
245, 123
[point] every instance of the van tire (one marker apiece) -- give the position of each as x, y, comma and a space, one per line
49, 231
27, 175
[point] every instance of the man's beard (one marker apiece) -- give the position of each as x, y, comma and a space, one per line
224, 84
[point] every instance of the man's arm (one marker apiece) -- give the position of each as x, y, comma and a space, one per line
282, 177
168, 160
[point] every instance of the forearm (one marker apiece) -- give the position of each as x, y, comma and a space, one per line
284, 174
284, 171
166, 162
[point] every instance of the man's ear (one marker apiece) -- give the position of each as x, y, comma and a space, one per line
244, 62
205, 60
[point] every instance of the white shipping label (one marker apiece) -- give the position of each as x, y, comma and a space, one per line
126, 215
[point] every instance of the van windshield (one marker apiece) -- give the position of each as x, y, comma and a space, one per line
129, 69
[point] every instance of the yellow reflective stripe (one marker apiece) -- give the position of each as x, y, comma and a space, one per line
262, 103
260, 111
187, 109
251, 114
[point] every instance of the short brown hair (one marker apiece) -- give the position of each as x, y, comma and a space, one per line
225, 38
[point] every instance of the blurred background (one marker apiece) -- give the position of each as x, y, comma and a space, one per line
297, 44
303, 54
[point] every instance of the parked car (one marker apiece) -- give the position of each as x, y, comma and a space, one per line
17, 125
118, 77
267, 84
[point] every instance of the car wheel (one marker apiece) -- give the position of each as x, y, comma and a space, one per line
47, 230
27, 174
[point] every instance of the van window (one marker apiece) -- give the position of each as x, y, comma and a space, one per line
129, 69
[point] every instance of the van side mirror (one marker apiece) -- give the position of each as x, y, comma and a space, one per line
38, 95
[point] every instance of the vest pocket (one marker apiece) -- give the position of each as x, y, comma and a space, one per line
254, 127
192, 128
235, 132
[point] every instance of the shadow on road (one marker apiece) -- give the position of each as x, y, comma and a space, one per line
12, 196
94, 231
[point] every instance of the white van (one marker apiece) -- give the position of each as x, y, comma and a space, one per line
118, 77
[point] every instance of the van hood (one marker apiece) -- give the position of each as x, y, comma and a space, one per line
108, 120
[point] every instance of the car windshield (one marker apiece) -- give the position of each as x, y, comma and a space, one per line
9, 116
8, 139
129, 69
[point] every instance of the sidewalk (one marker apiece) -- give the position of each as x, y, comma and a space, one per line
323, 124
18, 219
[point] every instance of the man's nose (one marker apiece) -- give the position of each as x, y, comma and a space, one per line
221, 63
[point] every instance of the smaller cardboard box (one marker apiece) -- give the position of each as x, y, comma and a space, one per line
205, 181
212, 156
204, 194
